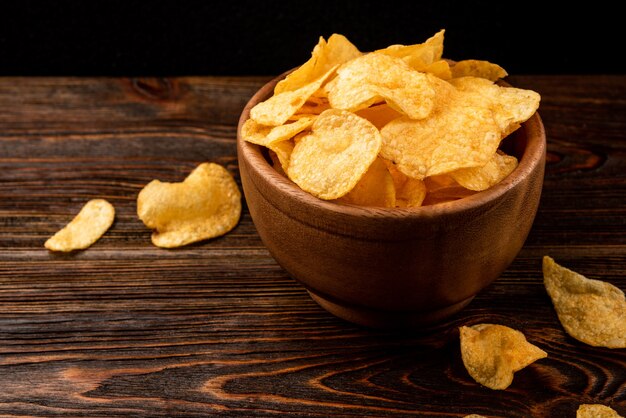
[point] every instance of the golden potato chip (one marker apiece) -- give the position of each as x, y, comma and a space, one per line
411, 194
276, 164
492, 353
592, 311
324, 57
443, 188
256, 133
93, 220
373, 77
379, 115
456, 136
283, 150
279, 108
478, 68
418, 56
596, 411
510, 106
205, 205
330, 161
374, 189
440, 68
481, 178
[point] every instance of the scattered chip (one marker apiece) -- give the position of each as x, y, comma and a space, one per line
205, 205
591, 311
596, 411
324, 57
478, 68
331, 160
93, 220
481, 178
374, 77
279, 108
492, 353
375, 188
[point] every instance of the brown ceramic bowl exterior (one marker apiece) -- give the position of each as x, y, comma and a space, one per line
394, 268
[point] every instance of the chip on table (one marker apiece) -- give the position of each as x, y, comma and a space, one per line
493, 353
205, 205
591, 311
93, 220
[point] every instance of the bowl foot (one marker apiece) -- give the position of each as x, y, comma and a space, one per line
388, 319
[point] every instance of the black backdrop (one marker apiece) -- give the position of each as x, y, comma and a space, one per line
247, 37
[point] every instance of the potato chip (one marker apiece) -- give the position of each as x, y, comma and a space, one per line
279, 108
510, 106
205, 205
411, 194
324, 57
330, 161
379, 115
596, 411
464, 131
492, 353
283, 150
418, 56
474, 416
443, 188
478, 68
481, 178
457, 136
373, 77
591, 311
93, 220
374, 189
256, 133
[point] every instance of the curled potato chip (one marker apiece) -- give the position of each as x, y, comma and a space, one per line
591, 311
256, 133
596, 411
93, 220
374, 189
493, 353
280, 107
510, 106
411, 194
455, 137
374, 77
478, 68
443, 188
481, 178
205, 205
330, 161
418, 56
325, 56
283, 150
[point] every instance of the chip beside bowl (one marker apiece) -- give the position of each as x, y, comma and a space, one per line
392, 267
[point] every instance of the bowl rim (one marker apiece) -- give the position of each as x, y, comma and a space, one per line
532, 156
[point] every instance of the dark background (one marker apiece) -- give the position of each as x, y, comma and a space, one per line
246, 37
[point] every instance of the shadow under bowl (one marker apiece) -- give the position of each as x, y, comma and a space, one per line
391, 267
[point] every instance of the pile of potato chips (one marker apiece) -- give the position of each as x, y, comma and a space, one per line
397, 127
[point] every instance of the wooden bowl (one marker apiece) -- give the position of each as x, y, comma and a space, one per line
394, 268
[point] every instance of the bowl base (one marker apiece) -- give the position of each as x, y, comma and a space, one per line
388, 319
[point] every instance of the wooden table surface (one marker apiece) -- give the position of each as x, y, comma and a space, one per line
218, 328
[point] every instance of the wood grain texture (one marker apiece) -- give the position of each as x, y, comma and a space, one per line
217, 328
